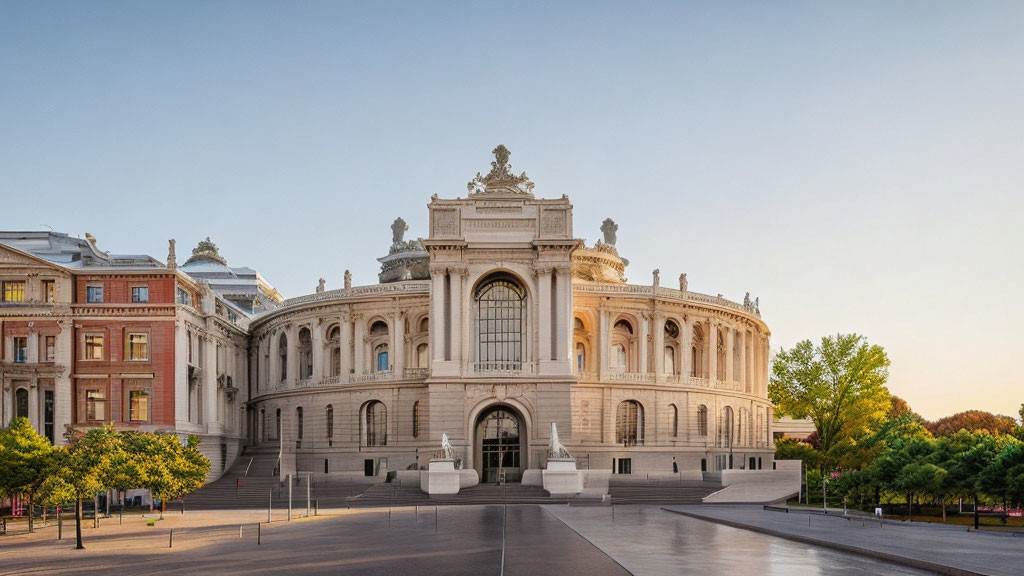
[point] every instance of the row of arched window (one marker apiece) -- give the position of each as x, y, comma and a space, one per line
373, 424
623, 356
629, 422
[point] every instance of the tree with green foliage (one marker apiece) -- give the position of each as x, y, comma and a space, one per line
973, 421
25, 458
1000, 477
80, 470
839, 385
965, 456
168, 468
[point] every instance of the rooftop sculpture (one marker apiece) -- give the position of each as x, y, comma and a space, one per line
500, 178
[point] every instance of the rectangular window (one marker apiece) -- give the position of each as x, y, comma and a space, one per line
140, 294
95, 405
12, 291
94, 294
94, 347
138, 347
51, 347
183, 297
20, 349
48, 413
138, 406
49, 291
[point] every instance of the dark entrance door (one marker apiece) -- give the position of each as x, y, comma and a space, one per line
500, 448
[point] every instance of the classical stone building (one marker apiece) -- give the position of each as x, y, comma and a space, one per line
495, 325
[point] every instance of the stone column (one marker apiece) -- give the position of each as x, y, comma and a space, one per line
712, 351
730, 354
33, 347
62, 397
8, 406
564, 317
293, 353
659, 346
359, 346
318, 352
33, 405
455, 318
643, 363
345, 343
210, 416
437, 319
398, 344
685, 346
603, 343
543, 314
742, 341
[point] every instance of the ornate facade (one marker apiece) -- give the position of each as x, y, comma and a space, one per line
497, 324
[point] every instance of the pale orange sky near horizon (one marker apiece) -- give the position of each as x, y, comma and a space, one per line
856, 166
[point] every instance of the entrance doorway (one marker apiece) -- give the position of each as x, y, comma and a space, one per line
499, 445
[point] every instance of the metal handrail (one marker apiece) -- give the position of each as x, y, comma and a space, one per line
247, 467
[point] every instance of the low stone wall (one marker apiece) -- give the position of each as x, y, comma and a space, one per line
755, 486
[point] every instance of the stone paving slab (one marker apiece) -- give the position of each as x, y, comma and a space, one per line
936, 548
467, 541
648, 540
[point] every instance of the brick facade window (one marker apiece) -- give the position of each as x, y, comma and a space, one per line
94, 294
49, 291
50, 347
95, 405
137, 347
93, 347
20, 349
140, 294
138, 405
12, 291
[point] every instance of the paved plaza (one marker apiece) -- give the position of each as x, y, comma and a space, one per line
532, 539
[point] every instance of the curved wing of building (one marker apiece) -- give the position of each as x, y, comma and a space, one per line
495, 325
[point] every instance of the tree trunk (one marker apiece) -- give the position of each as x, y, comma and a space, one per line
78, 524
976, 511
120, 514
1004, 509
910, 510
163, 507
943, 501
31, 509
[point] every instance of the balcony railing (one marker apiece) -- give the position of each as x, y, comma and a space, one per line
501, 368
673, 379
417, 373
639, 377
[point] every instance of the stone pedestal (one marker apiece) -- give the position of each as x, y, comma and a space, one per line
441, 477
561, 477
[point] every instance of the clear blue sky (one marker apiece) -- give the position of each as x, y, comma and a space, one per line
858, 166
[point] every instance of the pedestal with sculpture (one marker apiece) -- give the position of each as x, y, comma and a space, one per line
561, 476
441, 477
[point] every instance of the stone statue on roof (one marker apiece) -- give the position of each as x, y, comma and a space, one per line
348, 279
208, 250
501, 177
746, 301
398, 230
609, 228
171, 258
320, 286
657, 277
683, 284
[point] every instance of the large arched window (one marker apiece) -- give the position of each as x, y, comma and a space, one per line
375, 424
500, 324
380, 355
334, 338
697, 353
671, 345
629, 423
670, 360
581, 358
621, 341
330, 425
282, 350
725, 430
21, 403
673, 420
702, 420
305, 354
422, 355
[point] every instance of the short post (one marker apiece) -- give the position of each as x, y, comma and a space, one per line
60, 525
3, 524
259, 534
270, 505
95, 511
316, 510
182, 505
239, 531
308, 478
170, 539
435, 519
289, 497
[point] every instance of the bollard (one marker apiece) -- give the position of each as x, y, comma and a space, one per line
435, 519
239, 531
270, 505
259, 534
307, 495
289, 497
60, 525
170, 539
316, 510
4, 526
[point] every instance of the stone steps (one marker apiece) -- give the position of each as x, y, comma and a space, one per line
661, 492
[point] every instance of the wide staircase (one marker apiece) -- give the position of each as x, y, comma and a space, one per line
249, 483
626, 490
